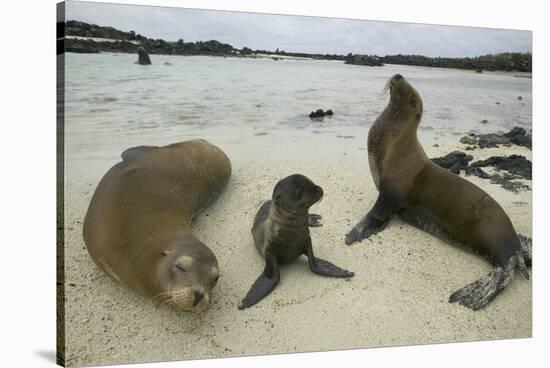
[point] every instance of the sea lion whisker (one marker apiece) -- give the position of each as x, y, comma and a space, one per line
386, 88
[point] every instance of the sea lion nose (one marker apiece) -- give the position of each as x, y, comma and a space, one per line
320, 191
198, 297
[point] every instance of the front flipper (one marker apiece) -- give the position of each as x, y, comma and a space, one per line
314, 220
322, 267
375, 221
263, 284
479, 293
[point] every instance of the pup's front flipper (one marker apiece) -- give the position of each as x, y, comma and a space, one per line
375, 221
322, 267
479, 293
263, 284
314, 220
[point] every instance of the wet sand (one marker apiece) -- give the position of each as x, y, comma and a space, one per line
397, 297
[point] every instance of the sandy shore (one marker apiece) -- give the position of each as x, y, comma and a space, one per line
398, 296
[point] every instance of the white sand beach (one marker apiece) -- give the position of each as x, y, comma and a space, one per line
403, 276
397, 297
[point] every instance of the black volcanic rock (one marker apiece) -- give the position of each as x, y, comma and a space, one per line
319, 113
367, 60
454, 161
129, 41
516, 136
508, 168
81, 48
516, 165
523, 140
143, 56
515, 132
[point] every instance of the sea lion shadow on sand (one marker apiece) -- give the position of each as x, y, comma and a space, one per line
281, 235
436, 200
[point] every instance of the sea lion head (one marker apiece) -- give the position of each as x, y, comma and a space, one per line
188, 272
405, 101
296, 193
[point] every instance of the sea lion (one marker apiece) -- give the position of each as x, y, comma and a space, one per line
281, 234
138, 225
434, 199
143, 56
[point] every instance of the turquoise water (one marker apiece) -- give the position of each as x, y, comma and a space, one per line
250, 104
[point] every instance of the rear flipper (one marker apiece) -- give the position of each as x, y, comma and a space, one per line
322, 267
481, 292
526, 249
314, 220
263, 284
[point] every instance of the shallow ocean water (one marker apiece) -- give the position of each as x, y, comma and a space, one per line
260, 107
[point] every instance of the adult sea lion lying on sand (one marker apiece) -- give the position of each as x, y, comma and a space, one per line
138, 225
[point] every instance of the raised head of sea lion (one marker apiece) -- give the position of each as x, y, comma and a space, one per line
281, 234
138, 225
434, 199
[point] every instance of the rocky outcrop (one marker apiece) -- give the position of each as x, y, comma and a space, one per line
143, 57
508, 168
505, 61
516, 136
320, 113
516, 165
454, 161
367, 60
508, 61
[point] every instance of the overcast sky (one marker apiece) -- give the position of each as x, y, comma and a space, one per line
301, 34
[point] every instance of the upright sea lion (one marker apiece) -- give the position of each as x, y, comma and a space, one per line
281, 234
435, 200
138, 225
143, 57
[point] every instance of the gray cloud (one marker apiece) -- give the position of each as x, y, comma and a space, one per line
301, 34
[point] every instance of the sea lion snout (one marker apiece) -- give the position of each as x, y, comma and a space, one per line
403, 97
317, 194
189, 272
189, 299
198, 297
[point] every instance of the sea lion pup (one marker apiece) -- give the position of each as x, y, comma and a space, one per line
434, 199
138, 225
281, 234
143, 56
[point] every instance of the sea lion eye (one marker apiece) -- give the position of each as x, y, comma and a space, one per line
299, 192
179, 268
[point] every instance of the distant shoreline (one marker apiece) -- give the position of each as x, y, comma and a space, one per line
81, 37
